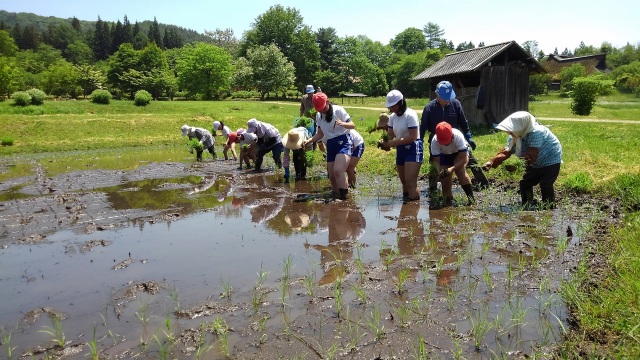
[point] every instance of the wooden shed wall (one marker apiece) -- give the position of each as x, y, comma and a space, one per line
506, 90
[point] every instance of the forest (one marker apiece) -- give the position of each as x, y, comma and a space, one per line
72, 58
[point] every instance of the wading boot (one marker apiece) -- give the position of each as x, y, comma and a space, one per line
468, 189
343, 194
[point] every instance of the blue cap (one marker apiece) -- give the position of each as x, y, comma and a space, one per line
445, 91
309, 89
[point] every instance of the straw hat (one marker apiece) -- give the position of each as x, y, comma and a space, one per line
383, 121
292, 140
297, 220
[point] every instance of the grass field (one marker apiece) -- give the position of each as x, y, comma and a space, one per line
599, 157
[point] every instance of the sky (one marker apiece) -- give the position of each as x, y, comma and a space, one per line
552, 23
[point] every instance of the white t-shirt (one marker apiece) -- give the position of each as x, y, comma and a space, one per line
458, 143
402, 124
356, 137
329, 129
226, 131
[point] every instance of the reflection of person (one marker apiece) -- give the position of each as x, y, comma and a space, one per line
452, 150
334, 124
203, 135
344, 226
403, 135
293, 144
445, 107
266, 209
411, 233
541, 151
268, 141
219, 125
358, 151
297, 220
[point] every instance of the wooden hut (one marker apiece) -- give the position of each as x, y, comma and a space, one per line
491, 81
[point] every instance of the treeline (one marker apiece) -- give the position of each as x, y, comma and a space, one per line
279, 55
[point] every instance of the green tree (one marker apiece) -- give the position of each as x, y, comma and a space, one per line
465, 46
434, 35
204, 69
30, 38
410, 41
8, 47
375, 51
90, 78
285, 28
154, 33
224, 39
61, 36
326, 38
118, 37
538, 84
583, 50
272, 71
9, 75
243, 75
569, 73
584, 94
37, 62
101, 40
79, 53
61, 78
120, 65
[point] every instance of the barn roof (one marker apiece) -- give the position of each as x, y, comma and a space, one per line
555, 63
474, 59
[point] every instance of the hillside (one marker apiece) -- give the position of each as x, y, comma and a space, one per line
41, 23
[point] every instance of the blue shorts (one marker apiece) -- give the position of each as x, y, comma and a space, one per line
447, 159
409, 153
339, 145
358, 151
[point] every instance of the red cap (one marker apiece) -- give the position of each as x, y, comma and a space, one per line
319, 101
444, 133
232, 137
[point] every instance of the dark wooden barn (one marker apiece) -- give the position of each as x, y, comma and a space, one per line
491, 81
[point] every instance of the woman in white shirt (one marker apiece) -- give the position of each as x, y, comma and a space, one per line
334, 124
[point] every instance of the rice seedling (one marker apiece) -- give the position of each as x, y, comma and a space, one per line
375, 322
164, 346
262, 277
55, 330
561, 245
202, 347
486, 275
353, 331
403, 312
93, 346
175, 296
420, 353
402, 278
221, 329
451, 298
256, 301
472, 285
226, 289
510, 275
6, 340
360, 293
439, 265
310, 280
480, 325
286, 267
360, 266
337, 296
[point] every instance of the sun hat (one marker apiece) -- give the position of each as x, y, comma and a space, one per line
444, 89
232, 137
309, 89
444, 133
319, 101
252, 125
185, 130
292, 140
297, 220
383, 121
216, 125
240, 131
393, 97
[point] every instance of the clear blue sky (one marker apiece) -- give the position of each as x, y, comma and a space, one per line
553, 23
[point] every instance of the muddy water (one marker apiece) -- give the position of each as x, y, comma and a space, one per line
205, 261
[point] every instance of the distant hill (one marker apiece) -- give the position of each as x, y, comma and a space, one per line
41, 23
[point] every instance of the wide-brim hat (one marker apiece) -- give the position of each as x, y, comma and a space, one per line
297, 220
383, 121
292, 140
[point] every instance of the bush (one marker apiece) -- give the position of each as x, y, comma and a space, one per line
579, 182
37, 96
6, 141
21, 98
142, 98
101, 97
538, 84
245, 94
584, 95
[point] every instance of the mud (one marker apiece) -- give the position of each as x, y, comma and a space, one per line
205, 261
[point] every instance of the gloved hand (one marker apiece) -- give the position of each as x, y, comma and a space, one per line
286, 174
470, 140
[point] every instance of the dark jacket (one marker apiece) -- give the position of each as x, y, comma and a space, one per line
434, 113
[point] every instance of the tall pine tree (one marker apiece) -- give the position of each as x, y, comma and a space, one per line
101, 40
154, 33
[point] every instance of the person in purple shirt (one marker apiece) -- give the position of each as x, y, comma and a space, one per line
445, 107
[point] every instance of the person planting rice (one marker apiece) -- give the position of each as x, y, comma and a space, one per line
203, 136
219, 125
268, 141
541, 151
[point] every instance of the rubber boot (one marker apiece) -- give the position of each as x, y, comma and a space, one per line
405, 196
258, 163
343, 194
468, 189
528, 202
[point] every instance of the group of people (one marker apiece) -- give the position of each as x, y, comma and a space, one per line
450, 145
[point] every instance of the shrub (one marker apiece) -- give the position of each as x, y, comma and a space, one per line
101, 97
569, 73
627, 189
584, 95
142, 98
21, 98
37, 96
538, 84
245, 94
6, 141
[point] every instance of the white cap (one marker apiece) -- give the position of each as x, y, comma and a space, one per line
185, 129
216, 125
393, 97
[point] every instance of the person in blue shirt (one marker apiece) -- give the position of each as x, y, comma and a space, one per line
541, 151
445, 107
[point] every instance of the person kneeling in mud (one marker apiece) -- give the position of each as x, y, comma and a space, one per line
541, 151
293, 144
203, 135
452, 149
